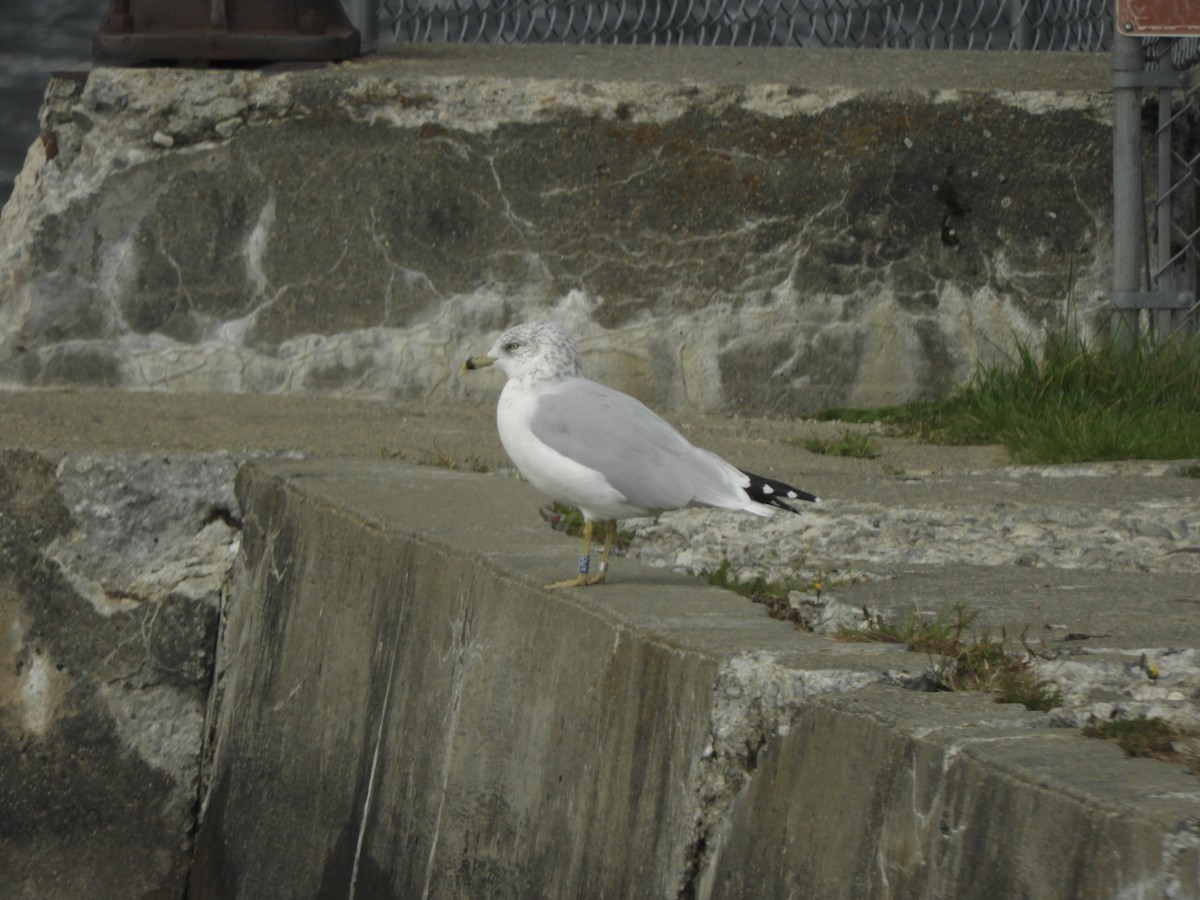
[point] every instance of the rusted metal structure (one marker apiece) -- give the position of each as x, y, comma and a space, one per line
146, 31
1158, 18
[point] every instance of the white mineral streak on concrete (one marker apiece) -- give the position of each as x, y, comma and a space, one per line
781, 101
1096, 106
421, 360
37, 693
256, 248
455, 101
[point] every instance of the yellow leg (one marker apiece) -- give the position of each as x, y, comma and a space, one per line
610, 534
584, 578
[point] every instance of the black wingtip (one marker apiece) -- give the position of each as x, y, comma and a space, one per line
770, 492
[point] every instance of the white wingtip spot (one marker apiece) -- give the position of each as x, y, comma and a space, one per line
767, 489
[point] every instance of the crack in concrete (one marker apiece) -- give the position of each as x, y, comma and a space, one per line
755, 698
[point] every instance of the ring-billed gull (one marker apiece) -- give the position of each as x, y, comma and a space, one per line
602, 451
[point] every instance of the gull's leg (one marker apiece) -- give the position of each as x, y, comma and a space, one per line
584, 562
610, 534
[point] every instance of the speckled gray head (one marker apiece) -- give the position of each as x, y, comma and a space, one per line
535, 351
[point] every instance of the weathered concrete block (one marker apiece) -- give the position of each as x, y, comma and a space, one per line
755, 230
889, 793
420, 684
401, 712
110, 571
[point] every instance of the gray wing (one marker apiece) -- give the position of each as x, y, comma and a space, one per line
637, 452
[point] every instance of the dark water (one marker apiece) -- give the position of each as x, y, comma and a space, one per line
37, 37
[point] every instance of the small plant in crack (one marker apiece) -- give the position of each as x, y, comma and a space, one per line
850, 444
771, 594
961, 662
1150, 737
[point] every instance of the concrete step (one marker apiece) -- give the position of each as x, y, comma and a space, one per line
403, 711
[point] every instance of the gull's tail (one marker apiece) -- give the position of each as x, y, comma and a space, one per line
770, 492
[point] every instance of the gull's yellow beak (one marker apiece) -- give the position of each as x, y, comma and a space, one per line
477, 362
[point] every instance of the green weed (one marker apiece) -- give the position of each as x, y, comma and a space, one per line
1068, 402
436, 457
470, 463
848, 443
771, 594
1145, 737
939, 635
982, 663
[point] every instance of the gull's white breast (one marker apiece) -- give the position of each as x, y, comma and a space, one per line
548, 470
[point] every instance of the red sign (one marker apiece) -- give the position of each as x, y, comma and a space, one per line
1159, 18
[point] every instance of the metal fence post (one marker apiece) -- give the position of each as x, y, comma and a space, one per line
1128, 215
1160, 324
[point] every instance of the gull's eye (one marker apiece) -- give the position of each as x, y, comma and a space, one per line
512, 345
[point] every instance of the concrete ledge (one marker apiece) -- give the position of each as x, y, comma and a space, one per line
402, 712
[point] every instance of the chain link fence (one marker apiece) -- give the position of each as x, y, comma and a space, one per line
1156, 219
913, 24
1179, 52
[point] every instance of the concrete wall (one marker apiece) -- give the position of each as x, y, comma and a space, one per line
769, 231
110, 575
402, 713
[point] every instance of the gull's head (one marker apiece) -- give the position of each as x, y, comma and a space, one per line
535, 350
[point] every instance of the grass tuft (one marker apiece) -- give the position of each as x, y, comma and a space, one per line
771, 594
1070, 402
848, 443
982, 663
939, 635
1146, 737
436, 457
